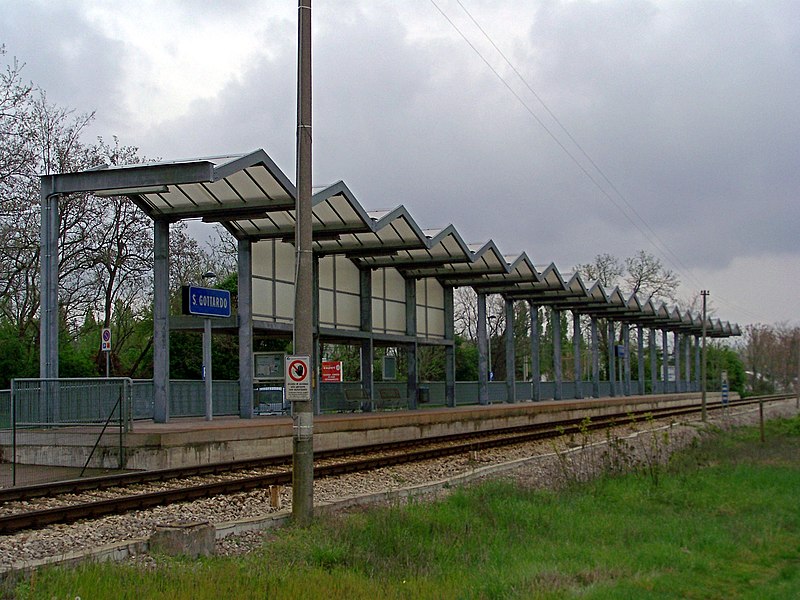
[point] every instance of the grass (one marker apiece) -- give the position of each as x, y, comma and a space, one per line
722, 522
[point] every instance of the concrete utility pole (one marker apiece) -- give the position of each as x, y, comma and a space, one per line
303, 415
704, 293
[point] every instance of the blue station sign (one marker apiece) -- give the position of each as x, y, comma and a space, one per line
206, 302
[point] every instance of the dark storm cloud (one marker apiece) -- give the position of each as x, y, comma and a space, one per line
690, 109
686, 107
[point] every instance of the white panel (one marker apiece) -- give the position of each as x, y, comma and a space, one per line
284, 254
347, 275
262, 258
326, 307
435, 323
395, 285
395, 317
326, 272
420, 284
377, 283
421, 327
262, 298
435, 293
348, 310
377, 315
285, 299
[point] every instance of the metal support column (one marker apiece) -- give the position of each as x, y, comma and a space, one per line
511, 392
555, 325
245, 310
449, 349
640, 358
316, 356
411, 349
665, 361
612, 363
676, 352
576, 354
160, 321
208, 370
536, 374
595, 361
653, 361
697, 363
687, 362
483, 359
48, 332
626, 360
367, 345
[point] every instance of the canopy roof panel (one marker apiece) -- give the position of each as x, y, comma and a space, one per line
255, 200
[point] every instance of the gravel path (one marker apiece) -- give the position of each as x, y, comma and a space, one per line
543, 464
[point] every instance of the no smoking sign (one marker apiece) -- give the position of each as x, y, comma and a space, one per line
298, 378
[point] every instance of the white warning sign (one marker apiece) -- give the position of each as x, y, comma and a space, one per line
298, 378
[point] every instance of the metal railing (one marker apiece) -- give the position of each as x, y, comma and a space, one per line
59, 424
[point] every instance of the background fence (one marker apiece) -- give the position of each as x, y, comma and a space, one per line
63, 428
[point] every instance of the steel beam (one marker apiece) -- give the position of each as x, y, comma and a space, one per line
133, 179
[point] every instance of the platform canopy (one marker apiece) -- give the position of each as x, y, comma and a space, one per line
254, 200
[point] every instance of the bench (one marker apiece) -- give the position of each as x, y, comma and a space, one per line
390, 399
355, 399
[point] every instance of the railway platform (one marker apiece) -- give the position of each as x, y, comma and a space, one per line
185, 442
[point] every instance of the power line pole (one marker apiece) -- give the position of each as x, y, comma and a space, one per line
303, 415
704, 293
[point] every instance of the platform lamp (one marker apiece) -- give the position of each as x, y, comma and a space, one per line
489, 341
207, 371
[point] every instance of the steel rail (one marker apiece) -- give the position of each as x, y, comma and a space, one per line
85, 484
507, 436
75, 486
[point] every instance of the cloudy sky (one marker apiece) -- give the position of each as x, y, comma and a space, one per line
562, 128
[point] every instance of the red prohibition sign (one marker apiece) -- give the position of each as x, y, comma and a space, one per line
106, 335
297, 370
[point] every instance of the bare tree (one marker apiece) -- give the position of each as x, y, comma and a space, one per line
647, 277
14, 127
606, 269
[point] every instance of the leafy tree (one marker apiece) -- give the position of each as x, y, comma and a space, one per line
466, 351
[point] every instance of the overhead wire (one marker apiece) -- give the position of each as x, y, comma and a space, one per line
647, 231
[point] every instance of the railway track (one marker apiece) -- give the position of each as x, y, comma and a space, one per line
327, 464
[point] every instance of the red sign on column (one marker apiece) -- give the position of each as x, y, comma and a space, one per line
331, 371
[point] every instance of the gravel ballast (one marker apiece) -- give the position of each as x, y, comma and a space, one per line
242, 518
